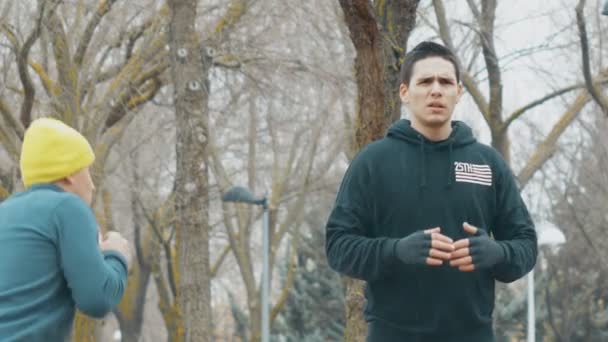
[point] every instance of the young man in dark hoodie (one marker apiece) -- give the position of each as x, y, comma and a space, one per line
429, 217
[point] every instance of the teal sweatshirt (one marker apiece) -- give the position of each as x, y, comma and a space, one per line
51, 264
405, 183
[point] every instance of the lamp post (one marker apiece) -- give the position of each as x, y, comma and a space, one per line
239, 194
549, 235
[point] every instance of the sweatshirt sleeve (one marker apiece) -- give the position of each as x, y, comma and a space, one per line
349, 247
97, 280
513, 229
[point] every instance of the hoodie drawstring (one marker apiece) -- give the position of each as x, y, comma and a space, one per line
423, 159
451, 165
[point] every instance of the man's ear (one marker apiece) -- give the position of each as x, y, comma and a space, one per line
404, 93
460, 91
68, 180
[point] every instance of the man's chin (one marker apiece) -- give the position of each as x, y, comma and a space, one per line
437, 122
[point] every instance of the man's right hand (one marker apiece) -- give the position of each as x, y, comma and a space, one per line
428, 247
114, 241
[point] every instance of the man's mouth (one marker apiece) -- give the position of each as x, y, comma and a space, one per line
436, 105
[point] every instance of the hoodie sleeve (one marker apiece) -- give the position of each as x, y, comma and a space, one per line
97, 280
513, 229
349, 247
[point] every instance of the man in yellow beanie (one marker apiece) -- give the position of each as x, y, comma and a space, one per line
51, 259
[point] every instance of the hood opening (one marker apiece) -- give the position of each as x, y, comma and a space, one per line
461, 135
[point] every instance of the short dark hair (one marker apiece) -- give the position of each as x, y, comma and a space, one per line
424, 50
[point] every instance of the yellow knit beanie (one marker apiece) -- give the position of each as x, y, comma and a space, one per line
52, 151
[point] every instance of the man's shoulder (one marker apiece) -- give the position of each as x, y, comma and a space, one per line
42, 210
53, 198
68, 202
483, 147
378, 147
488, 152
372, 154
47, 201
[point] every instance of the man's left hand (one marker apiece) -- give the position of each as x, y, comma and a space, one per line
476, 252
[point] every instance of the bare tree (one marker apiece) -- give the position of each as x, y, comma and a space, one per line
191, 179
573, 290
596, 93
491, 108
68, 63
379, 35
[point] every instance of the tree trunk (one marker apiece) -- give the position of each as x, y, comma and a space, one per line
130, 311
397, 20
379, 36
84, 328
255, 319
190, 79
369, 70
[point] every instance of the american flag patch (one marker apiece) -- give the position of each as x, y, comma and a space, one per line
473, 173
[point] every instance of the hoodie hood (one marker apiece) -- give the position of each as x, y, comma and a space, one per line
460, 136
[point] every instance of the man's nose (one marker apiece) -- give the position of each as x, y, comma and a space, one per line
435, 88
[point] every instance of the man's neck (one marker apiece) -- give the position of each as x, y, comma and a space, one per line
434, 133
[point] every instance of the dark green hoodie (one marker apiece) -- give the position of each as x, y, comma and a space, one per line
405, 183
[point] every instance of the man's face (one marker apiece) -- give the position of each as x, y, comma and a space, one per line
432, 93
82, 185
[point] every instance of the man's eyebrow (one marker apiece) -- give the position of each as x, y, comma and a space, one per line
432, 77
449, 78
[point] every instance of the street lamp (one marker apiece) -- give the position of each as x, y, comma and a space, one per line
239, 194
548, 235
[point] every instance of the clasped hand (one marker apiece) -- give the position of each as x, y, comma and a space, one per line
432, 248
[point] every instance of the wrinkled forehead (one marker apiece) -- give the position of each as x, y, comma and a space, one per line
433, 67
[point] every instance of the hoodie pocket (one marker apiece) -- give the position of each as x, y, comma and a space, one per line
399, 299
483, 303
462, 301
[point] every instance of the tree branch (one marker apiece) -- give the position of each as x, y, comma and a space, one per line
102, 9
29, 92
220, 260
545, 150
135, 97
488, 15
7, 115
130, 78
291, 275
474, 10
157, 223
51, 88
596, 94
236, 10
238, 243
467, 78
8, 143
107, 209
519, 112
68, 100
131, 37
295, 211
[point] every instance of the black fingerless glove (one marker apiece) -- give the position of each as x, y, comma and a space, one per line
484, 251
414, 249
